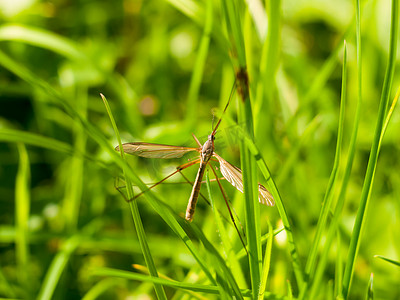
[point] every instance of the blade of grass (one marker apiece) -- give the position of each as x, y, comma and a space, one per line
255, 152
61, 259
57, 267
298, 270
41, 38
101, 287
209, 289
135, 213
328, 198
264, 240
74, 188
267, 263
12, 135
389, 116
370, 290
396, 263
252, 212
372, 162
22, 210
333, 229
225, 240
224, 275
339, 267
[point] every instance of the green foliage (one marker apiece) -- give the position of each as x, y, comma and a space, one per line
312, 120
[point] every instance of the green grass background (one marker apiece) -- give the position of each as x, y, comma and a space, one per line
165, 68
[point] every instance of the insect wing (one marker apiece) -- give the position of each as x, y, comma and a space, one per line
155, 150
234, 176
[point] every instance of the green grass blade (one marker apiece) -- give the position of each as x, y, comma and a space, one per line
232, 259
264, 240
22, 211
224, 275
396, 263
101, 287
389, 116
40, 38
267, 263
74, 184
245, 116
208, 289
333, 229
370, 290
57, 267
298, 270
235, 30
135, 214
372, 162
12, 135
339, 267
328, 198
255, 152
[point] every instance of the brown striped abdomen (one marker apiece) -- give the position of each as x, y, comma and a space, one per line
195, 193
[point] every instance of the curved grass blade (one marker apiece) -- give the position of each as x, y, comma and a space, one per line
252, 147
225, 240
135, 213
373, 159
396, 263
22, 210
328, 198
267, 263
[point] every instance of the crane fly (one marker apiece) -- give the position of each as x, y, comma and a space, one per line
206, 153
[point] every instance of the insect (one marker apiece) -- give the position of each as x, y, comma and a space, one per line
231, 173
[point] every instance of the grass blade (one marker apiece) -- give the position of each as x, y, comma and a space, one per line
12, 135
57, 267
22, 210
135, 213
396, 263
255, 152
333, 229
252, 211
232, 259
372, 162
209, 289
267, 263
370, 290
328, 198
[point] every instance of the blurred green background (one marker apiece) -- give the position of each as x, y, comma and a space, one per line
57, 56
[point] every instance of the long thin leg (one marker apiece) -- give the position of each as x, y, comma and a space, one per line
227, 205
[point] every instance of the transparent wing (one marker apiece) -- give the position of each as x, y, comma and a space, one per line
234, 176
155, 150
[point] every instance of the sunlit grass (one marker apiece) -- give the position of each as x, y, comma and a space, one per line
302, 123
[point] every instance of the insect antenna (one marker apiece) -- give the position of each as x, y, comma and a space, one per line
226, 106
